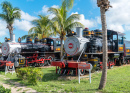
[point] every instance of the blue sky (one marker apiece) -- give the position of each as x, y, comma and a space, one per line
117, 17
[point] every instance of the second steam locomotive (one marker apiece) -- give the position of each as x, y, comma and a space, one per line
85, 46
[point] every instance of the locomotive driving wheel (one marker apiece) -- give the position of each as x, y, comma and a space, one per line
49, 61
41, 64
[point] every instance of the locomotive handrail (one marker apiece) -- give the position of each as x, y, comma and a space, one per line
63, 57
81, 53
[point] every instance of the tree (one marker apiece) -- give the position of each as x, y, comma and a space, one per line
62, 23
9, 14
42, 28
104, 6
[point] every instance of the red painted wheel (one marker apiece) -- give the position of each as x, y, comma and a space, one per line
41, 64
82, 72
51, 59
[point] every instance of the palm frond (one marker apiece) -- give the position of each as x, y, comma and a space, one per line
6, 6
54, 11
17, 15
68, 3
72, 18
24, 37
3, 16
73, 25
16, 9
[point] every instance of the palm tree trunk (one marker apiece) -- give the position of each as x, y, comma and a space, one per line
105, 55
61, 48
10, 33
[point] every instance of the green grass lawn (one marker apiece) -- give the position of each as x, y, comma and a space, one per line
118, 81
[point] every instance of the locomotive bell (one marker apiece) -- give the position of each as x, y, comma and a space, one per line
19, 40
86, 33
29, 40
36, 40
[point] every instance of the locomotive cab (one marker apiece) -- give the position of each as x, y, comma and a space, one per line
54, 43
116, 40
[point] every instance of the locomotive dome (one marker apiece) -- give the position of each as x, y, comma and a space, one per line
74, 44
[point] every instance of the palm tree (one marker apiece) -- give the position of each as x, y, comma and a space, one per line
62, 23
9, 14
42, 28
104, 6
69, 3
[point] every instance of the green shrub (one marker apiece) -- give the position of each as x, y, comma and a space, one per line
3, 90
31, 74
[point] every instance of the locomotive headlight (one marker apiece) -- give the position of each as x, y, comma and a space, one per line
85, 55
58, 48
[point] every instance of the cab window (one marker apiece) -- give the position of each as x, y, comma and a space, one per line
120, 40
58, 43
114, 37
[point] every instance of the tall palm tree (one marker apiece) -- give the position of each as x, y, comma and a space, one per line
62, 23
9, 14
42, 28
104, 6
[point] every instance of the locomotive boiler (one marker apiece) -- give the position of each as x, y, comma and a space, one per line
39, 53
86, 47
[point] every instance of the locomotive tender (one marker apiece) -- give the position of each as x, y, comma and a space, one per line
39, 53
86, 47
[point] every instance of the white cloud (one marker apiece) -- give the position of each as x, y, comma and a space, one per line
25, 22
23, 25
116, 27
45, 11
87, 22
118, 16
26, 16
3, 30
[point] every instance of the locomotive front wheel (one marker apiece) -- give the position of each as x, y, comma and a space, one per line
41, 64
82, 72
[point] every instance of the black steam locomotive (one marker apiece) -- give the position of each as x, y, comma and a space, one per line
39, 53
86, 47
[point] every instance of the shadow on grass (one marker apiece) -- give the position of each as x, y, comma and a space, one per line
49, 77
2, 70
72, 89
17, 82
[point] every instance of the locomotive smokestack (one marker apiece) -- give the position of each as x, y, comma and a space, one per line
12, 37
79, 31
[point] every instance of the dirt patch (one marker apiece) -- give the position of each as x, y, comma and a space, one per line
16, 87
72, 77
46, 67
